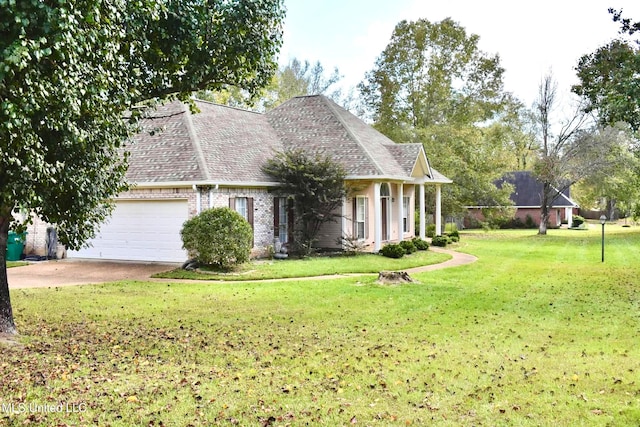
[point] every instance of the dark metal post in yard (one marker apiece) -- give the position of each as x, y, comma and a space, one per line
603, 219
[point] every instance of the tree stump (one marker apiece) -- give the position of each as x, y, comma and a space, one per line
394, 277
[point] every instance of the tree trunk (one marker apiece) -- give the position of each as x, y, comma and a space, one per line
394, 277
544, 209
6, 313
612, 210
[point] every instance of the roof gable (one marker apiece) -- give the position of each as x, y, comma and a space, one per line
320, 126
528, 191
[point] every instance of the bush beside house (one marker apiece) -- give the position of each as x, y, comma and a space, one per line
220, 237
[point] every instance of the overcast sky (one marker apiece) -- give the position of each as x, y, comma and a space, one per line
530, 37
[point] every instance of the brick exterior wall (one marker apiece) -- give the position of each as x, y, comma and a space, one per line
556, 215
262, 212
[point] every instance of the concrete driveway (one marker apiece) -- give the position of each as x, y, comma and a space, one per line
68, 272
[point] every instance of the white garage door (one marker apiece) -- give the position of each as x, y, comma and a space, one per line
140, 231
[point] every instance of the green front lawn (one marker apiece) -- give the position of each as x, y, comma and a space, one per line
536, 332
313, 266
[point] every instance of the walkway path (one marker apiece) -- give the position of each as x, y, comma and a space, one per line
457, 259
77, 272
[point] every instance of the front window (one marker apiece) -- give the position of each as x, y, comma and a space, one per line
405, 214
241, 207
361, 216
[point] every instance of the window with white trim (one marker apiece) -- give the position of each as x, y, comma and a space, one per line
360, 217
405, 214
241, 207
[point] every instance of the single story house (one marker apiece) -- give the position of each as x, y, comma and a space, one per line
527, 200
184, 163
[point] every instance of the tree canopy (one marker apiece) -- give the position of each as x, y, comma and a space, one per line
609, 77
609, 82
74, 76
296, 78
432, 84
576, 150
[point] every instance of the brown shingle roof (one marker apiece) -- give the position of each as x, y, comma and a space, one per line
318, 125
222, 144
235, 143
164, 150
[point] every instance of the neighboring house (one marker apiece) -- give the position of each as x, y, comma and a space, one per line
527, 200
184, 163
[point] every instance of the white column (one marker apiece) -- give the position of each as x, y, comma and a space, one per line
568, 212
210, 198
377, 218
438, 210
400, 210
423, 222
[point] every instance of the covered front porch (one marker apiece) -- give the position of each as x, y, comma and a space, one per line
384, 205
382, 212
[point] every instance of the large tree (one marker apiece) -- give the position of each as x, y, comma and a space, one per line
570, 150
609, 79
74, 77
610, 84
432, 84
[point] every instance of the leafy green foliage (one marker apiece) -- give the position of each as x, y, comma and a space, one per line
517, 223
420, 244
393, 250
220, 237
430, 230
76, 75
316, 185
441, 241
408, 246
432, 84
577, 220
609, 82
453, 235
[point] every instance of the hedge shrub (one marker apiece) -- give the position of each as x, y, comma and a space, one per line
408, 246
220, 237
421, 245
577, 221
393, 250
439, 241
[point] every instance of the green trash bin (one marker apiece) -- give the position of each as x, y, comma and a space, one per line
15, 245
